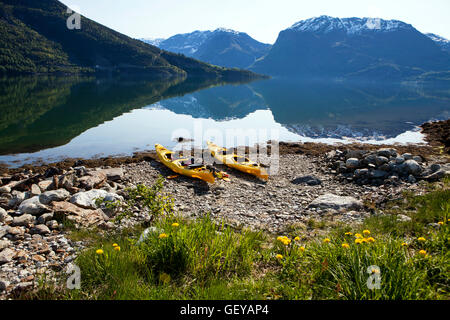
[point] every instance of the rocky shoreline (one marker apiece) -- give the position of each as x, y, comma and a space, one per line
315, 182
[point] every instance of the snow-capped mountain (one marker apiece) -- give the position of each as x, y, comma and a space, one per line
351, 26
223, 47
187, 43
440, 41
352, 47
153, 41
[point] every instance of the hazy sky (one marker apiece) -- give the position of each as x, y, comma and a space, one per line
261, 19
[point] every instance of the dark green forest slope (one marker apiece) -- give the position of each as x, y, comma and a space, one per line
34, 38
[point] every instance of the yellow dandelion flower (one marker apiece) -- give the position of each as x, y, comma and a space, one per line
345, 246
279, 256
99, 251
115, 245
422, 239
297, 239
117, 248
358, 241
175, 224
326, 240
441, 223
348, 234
163, 235
370, 239
404, 244
358, 235
366, 232
423, 252
302, 249
285, 240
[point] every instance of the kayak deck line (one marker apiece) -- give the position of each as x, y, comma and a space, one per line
237, 162
187, 167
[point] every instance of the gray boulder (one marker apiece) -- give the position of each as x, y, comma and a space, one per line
45, 218
418, 159
378, 174
361, 173
3, 215
41, 229
88, 199
352, 163
355, 154
6, 255
4, 244
17, 198
5, 189
407, 156
331, 201
380, 160
23, 220
3, 231
93, 179
32, 206
68, 180
387, 152
54, 195
45, 185
370, 159
35, 190
309, 180
412, 167
399, 160
113, 174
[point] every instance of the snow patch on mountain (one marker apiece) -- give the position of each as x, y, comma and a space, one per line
153, 41
440, 41
226, 30
326, 24
437, 38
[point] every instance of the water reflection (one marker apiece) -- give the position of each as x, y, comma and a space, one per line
54, 117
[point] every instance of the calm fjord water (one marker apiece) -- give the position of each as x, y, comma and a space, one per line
50, 118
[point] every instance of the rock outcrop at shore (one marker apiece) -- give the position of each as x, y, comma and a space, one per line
33, 211
437, 134
35, 208
383, 166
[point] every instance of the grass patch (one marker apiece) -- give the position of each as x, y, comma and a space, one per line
383, 259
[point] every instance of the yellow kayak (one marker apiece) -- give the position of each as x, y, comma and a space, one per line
237, 162
198, 171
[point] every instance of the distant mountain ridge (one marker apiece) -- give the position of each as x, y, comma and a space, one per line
34, 39
352, 47
223, 47
351, 26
